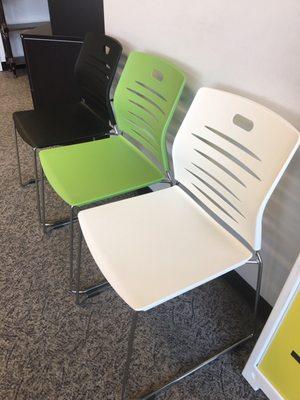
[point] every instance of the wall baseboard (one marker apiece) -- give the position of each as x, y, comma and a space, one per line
247, 291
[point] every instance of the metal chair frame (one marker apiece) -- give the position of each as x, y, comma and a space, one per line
90, 53
230, 160
48, 227
91, 292
31, 181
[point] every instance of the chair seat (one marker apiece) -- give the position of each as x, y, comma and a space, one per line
157, 246
88, 172
60, 124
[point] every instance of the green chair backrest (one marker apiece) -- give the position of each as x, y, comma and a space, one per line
145, 100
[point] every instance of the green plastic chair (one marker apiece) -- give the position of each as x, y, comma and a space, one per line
145, 100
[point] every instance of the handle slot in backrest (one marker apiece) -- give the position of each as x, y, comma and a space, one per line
107, 49
243, 122
156, 74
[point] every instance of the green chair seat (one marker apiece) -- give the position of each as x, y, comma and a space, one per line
88, 172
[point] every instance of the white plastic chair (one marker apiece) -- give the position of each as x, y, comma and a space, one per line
228, 156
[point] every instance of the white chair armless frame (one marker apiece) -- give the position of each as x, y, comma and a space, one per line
228, 155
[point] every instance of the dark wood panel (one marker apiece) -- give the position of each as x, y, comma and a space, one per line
76, 17
50, 64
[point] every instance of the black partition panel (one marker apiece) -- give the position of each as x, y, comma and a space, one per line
76, 17
50, 63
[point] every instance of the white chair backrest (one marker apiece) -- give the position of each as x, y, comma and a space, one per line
230, 152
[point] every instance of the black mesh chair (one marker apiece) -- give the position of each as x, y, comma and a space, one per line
91, 118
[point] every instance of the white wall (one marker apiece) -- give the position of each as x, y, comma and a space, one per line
19, 11
247, 47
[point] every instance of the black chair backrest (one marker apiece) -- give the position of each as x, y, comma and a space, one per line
95, 70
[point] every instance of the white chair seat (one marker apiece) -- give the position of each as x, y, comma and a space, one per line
157, 246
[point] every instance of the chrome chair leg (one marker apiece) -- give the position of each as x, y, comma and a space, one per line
35, 155
72, 211
30, 181
48, 226
152, 395
41, 209
52, 225
131, 337
42, 202
78, 268
90, 291
258, 288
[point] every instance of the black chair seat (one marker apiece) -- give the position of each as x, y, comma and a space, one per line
59, 125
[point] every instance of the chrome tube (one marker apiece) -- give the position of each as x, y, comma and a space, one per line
30, 181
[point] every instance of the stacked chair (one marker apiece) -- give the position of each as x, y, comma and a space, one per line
228, 156
91, 118
82, 174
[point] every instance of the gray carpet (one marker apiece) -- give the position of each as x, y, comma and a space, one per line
53, 350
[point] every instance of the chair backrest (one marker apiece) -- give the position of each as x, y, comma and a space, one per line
145, 100
94, 72
230, 152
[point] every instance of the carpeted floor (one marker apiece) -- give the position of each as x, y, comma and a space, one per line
53, 350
